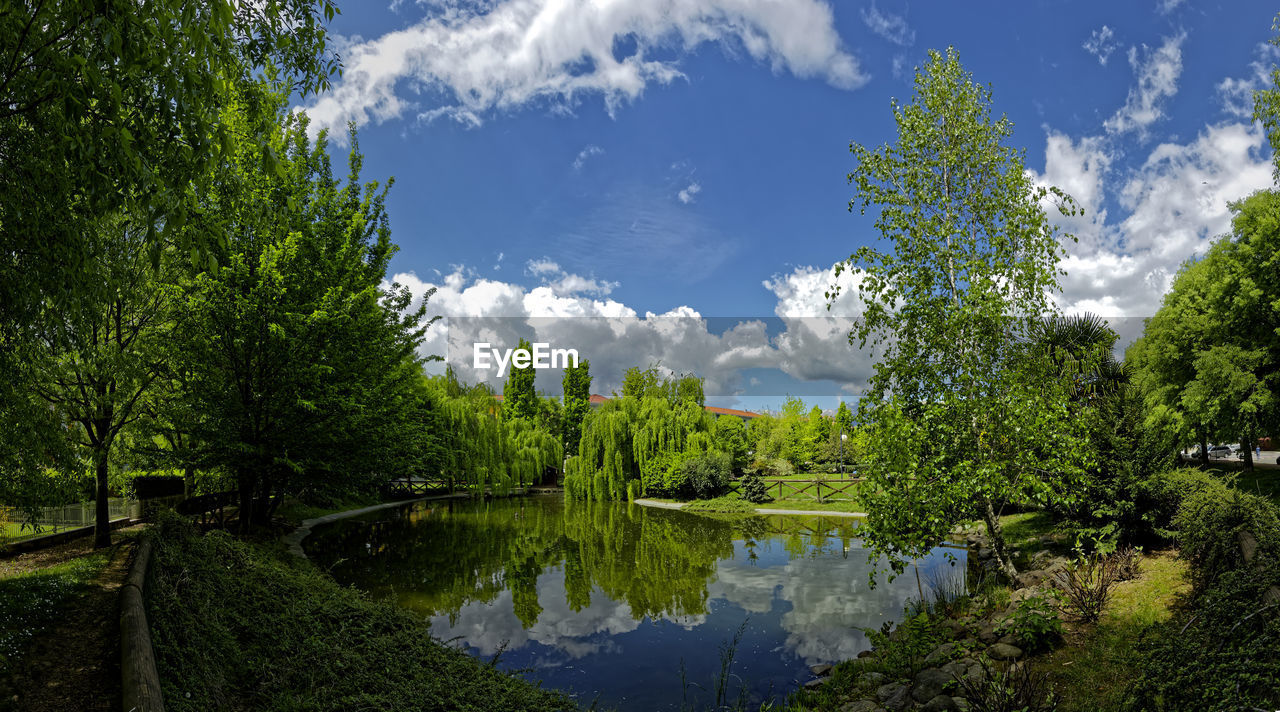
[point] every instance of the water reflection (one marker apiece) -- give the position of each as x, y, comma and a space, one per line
607, 599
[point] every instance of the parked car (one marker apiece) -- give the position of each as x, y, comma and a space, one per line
1219, 451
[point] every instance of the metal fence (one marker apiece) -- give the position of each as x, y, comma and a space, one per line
14, 524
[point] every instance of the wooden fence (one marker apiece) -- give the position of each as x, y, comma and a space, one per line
819, 490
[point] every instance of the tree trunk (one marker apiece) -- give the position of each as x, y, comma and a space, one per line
1246, 448
996, 534
246, 483
1204, 448
102, 512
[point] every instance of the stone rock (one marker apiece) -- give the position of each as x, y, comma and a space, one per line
820, 670
1008, 639
1029, 579
889, 689
861, 706
940, 703
953, 628
941, 654
988, 633
817, 682
871, 679
1022, 594
865, 653
962, 705
929, 684
955, 669
894, 696
1004, 651
985, 553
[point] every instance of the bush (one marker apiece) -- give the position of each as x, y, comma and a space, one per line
1013, 688
1210, 523
1086, 585
700, 475
754, 490
1034, 623
1128, 563
775, 467
902, 651
1222, 655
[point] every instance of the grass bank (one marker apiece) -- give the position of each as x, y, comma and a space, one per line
243, 626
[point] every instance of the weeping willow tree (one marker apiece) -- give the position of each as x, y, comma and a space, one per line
482, 452
633, 445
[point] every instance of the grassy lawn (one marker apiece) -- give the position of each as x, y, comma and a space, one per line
1264, 482
1093, 670
31, 602
842, 505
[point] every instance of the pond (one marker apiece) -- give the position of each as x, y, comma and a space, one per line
615, 601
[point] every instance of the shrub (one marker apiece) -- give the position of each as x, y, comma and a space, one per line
1210, 524
754, 490
902, 651
1013, 688
1224, 654
1128, 563
1034, 623
1086, 585
704, 475
771, 467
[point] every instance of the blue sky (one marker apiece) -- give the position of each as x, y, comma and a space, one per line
688, 157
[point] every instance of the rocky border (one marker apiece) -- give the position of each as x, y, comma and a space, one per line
971, 637
140, 682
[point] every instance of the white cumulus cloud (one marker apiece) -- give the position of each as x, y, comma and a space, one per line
689, 193
893, 28
466, 60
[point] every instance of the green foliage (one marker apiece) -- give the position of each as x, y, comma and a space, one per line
901, 650
238, 626
1223, 654
111, 108
966, 409
697, 474
1035, 624
753, 490
1210, 525
647, 437
731, 438
577, 403
298, 367
519, 398
1008, 688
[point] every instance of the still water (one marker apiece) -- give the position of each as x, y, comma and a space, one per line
610, 601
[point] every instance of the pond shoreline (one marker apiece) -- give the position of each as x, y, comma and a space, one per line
759, 510
293, 540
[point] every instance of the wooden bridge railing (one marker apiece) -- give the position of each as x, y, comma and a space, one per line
819, 489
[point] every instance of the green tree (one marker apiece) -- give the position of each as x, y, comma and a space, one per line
844, 419
964, 414
519, 398
113, 107
109, 359
300, 365
577, 403
731, 438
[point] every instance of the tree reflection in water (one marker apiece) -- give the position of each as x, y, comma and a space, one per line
580, 590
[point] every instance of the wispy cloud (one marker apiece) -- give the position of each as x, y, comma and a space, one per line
689, 193
465, 62
1101, 44
1157, 74
584, 154
889, 26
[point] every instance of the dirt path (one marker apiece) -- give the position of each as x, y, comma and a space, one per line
76, 665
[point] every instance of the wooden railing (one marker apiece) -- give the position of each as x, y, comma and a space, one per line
819, 489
